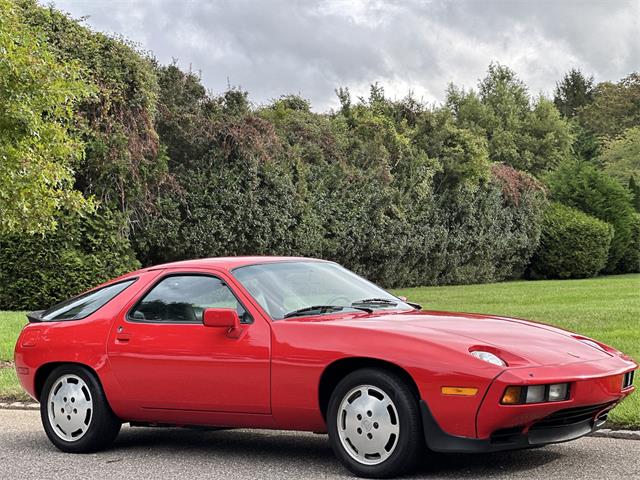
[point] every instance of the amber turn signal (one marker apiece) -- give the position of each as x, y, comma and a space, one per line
511, 396
462, 391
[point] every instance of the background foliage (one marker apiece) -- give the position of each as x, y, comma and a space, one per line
402, 192
583, 186
37, 152
573, 244
37, 271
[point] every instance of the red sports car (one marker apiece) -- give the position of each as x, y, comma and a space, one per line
303, 344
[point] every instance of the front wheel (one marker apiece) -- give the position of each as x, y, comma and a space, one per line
374, 424
75, 413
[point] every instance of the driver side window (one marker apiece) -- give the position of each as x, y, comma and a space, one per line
183, 299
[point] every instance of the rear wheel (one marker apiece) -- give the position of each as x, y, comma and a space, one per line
74, 411
374, 424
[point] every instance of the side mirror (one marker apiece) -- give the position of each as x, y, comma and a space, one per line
222, 318
403, 298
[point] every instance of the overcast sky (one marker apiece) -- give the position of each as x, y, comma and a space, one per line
276, 47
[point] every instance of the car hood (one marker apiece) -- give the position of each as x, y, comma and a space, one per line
519, 342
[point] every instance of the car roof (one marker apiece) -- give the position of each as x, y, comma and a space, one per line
229, 263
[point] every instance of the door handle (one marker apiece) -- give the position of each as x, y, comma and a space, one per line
122, 337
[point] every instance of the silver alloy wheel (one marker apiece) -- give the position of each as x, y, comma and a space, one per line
70, 407
368, 424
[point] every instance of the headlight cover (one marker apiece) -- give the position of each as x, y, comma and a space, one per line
520, 395
489, 358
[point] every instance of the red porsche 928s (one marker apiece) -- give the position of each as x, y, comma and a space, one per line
304, 344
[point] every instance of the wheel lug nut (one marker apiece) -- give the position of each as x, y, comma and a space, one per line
68, 417
359, 417
359, 431
375, 425
369, 413
369, 436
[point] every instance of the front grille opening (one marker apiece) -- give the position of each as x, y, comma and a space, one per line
570, 416
506, 435
627, 380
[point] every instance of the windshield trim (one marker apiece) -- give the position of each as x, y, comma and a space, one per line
293, 260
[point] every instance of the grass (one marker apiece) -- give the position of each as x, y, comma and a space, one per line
10, 389
605, 308
10, 325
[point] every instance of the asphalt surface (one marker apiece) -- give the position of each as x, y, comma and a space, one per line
152, 454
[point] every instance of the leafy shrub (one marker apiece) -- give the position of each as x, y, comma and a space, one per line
573, 244
630, 262
37, 151
490, 232
37, 271
400, 191
582, 186
123, 162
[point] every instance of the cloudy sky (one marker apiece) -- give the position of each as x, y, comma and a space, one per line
276, 47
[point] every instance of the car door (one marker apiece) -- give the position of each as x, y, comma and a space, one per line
163, 356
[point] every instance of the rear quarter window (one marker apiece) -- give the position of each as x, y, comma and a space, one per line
84, 305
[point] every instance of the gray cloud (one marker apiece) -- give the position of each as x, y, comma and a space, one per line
275, 47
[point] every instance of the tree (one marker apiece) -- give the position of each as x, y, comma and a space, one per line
124, 164
573, 92
461, 153
615, 108
528, 134
634, 188
620, 157
38, 153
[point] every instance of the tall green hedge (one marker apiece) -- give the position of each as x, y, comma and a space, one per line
123, 162
581, 185
630, 262
357, 187
37, 271
400, 191
573, 244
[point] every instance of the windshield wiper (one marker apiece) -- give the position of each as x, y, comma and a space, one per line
323, 309
313, 308
375, 301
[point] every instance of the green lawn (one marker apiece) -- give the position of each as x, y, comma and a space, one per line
10, 389
605, 308
10, 325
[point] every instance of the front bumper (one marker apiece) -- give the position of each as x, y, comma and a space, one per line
595, 389
505, 439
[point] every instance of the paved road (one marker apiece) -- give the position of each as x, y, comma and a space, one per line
153, 454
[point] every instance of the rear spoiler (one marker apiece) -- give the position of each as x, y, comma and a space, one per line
35, 317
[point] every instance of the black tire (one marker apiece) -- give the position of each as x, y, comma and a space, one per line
102, 425
410, 440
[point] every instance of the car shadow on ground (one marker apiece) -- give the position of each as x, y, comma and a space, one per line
288, 449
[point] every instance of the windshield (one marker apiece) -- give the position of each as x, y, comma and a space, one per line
288, 289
